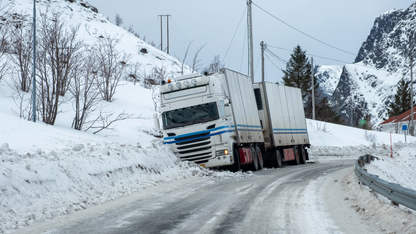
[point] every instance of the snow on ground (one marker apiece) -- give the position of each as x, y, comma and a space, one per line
400, 169
375, 208
50, 171
335, 142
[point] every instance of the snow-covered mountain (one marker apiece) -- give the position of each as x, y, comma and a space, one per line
328, 77
368, 85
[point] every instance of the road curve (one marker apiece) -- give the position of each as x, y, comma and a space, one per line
294, 199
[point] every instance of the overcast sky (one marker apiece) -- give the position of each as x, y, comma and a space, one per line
341, 24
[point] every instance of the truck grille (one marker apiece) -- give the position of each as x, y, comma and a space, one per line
194, 150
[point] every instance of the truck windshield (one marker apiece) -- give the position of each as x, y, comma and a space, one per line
190, 115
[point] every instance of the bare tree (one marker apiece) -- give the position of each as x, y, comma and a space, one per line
5, 26
84, 88
104, 121
118, 20
134, 73
182, 65
215, 65
197, 63
57, 50
21, 99
111, 66
22, 48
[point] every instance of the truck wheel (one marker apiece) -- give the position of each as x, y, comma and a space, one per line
297, 159
279, 159
255, 162
236, 166
303, 155
260, 158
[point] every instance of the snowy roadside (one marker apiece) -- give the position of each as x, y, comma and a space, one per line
375, 208
400, 169
40, 185
372, 207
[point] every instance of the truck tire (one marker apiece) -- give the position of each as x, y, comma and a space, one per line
255, 162
236, 166
297, 158
303, 155
260, 158
279, 158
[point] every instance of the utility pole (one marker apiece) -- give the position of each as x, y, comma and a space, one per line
167, 18
250, 29
263, 47
412, 45
34, 64
313, 91
352, 108
161, 32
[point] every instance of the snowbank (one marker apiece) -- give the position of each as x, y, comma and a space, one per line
400, 169
43, 184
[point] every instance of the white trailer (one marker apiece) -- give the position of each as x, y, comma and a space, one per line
283, 119
214, 120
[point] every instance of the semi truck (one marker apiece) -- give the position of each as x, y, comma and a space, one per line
224, 120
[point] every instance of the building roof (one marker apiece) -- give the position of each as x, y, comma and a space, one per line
406, 116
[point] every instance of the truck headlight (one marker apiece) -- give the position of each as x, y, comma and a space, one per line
193, 81
170, 86
178, 84
221, 152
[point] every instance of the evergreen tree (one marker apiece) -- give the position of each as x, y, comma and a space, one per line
298, 75
402, 101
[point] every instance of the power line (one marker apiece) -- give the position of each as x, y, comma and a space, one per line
257, 64
277, 57
234, 34
302, 32
244, 46
189, 41
151, 24
336, 60
273, 63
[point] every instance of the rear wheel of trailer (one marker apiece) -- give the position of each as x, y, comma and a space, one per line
303, 155
236, 166
255, 162
260, 158
297, 157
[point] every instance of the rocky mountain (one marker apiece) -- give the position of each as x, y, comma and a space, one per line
366, 87
328, 77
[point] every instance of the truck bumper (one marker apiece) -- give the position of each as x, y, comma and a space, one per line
223, 160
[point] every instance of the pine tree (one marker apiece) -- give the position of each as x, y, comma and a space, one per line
402, 101
298, 75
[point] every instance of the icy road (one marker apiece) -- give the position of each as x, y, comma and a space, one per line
296, 199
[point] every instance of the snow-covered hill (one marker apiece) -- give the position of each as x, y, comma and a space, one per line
93, 25
368, 85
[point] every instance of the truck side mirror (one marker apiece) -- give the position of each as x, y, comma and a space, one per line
156, 121
226, 101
